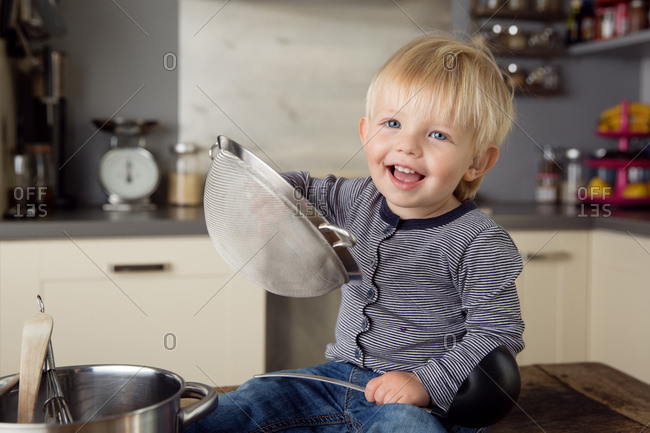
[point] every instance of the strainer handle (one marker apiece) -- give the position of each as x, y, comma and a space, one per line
214, 149
348, 240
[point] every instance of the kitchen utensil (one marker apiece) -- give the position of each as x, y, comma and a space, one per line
117, 398
315, 377
36, 336
9, 384
55, 407
485, 397
267, 231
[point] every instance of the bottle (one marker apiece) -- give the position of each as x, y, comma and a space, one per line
638, 15
573, 179
548, 178
587, 21
573, 30
185, 186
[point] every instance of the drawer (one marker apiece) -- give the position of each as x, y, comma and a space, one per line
162, 301
128, 257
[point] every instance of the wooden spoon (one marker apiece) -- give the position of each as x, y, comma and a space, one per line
36, 336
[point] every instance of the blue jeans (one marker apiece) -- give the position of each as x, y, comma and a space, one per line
300, 406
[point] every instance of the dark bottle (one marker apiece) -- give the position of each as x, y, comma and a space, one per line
587, 21
574, 22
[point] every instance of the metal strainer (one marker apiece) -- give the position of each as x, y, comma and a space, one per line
265, 230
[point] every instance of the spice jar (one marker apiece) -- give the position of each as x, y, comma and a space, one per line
573, 179
185, 186
548, 178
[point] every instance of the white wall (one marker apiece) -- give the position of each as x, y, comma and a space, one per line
287, 78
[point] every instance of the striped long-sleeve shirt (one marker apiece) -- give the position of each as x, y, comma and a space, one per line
436, 295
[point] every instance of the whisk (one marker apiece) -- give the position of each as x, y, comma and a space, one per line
55, 407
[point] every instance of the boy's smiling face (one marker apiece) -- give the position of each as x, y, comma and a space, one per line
416, 160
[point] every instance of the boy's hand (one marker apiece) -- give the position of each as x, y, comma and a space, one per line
397, 387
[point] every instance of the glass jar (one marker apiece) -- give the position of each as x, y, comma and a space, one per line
548, 178
573, 179
185, 183
33, 191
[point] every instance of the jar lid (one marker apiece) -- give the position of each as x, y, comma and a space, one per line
183, 148
573, 153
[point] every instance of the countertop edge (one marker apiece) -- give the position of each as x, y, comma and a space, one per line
187, 222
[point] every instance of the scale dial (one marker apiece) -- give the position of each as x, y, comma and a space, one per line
129, 174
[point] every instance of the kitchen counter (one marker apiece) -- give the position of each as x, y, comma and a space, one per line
93, 222
578, 397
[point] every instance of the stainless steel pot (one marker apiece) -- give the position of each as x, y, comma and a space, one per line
110, 398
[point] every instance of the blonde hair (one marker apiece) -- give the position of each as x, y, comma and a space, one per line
459, 81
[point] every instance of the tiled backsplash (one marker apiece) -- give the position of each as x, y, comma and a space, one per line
287, 79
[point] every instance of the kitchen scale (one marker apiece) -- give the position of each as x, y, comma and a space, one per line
128, 172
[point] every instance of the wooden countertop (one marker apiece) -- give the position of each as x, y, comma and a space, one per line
578, 397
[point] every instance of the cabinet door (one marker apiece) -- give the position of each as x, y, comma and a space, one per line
620, 320
189, 314
553, 294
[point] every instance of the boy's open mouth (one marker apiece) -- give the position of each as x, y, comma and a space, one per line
404, 174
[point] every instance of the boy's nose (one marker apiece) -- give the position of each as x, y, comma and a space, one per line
408, 145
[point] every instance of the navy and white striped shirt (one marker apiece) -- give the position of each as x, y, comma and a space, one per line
436, 295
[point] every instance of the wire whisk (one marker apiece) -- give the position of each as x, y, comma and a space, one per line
55, 407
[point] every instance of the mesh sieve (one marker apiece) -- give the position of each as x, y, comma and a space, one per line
267, 232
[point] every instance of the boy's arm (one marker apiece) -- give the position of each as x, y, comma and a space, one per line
486, 281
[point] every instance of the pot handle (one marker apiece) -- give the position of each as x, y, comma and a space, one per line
195, 411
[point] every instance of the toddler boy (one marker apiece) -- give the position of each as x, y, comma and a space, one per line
438, 291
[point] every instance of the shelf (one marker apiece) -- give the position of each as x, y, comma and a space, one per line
536, 91
524, 15
633, 45
619, 201
618, 163
624, 134
529, 53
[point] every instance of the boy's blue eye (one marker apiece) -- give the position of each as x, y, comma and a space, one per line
438, 135
393, 123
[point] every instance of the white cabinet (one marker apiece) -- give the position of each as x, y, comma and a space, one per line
620, 302
166, 302
553, 291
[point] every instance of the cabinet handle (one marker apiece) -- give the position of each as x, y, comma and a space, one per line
139, 267
539, 256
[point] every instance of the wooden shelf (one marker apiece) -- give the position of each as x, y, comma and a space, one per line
633, 45
528, 53
524, 15
536, 91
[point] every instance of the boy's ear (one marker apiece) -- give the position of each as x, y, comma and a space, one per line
483, 164
363, 131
